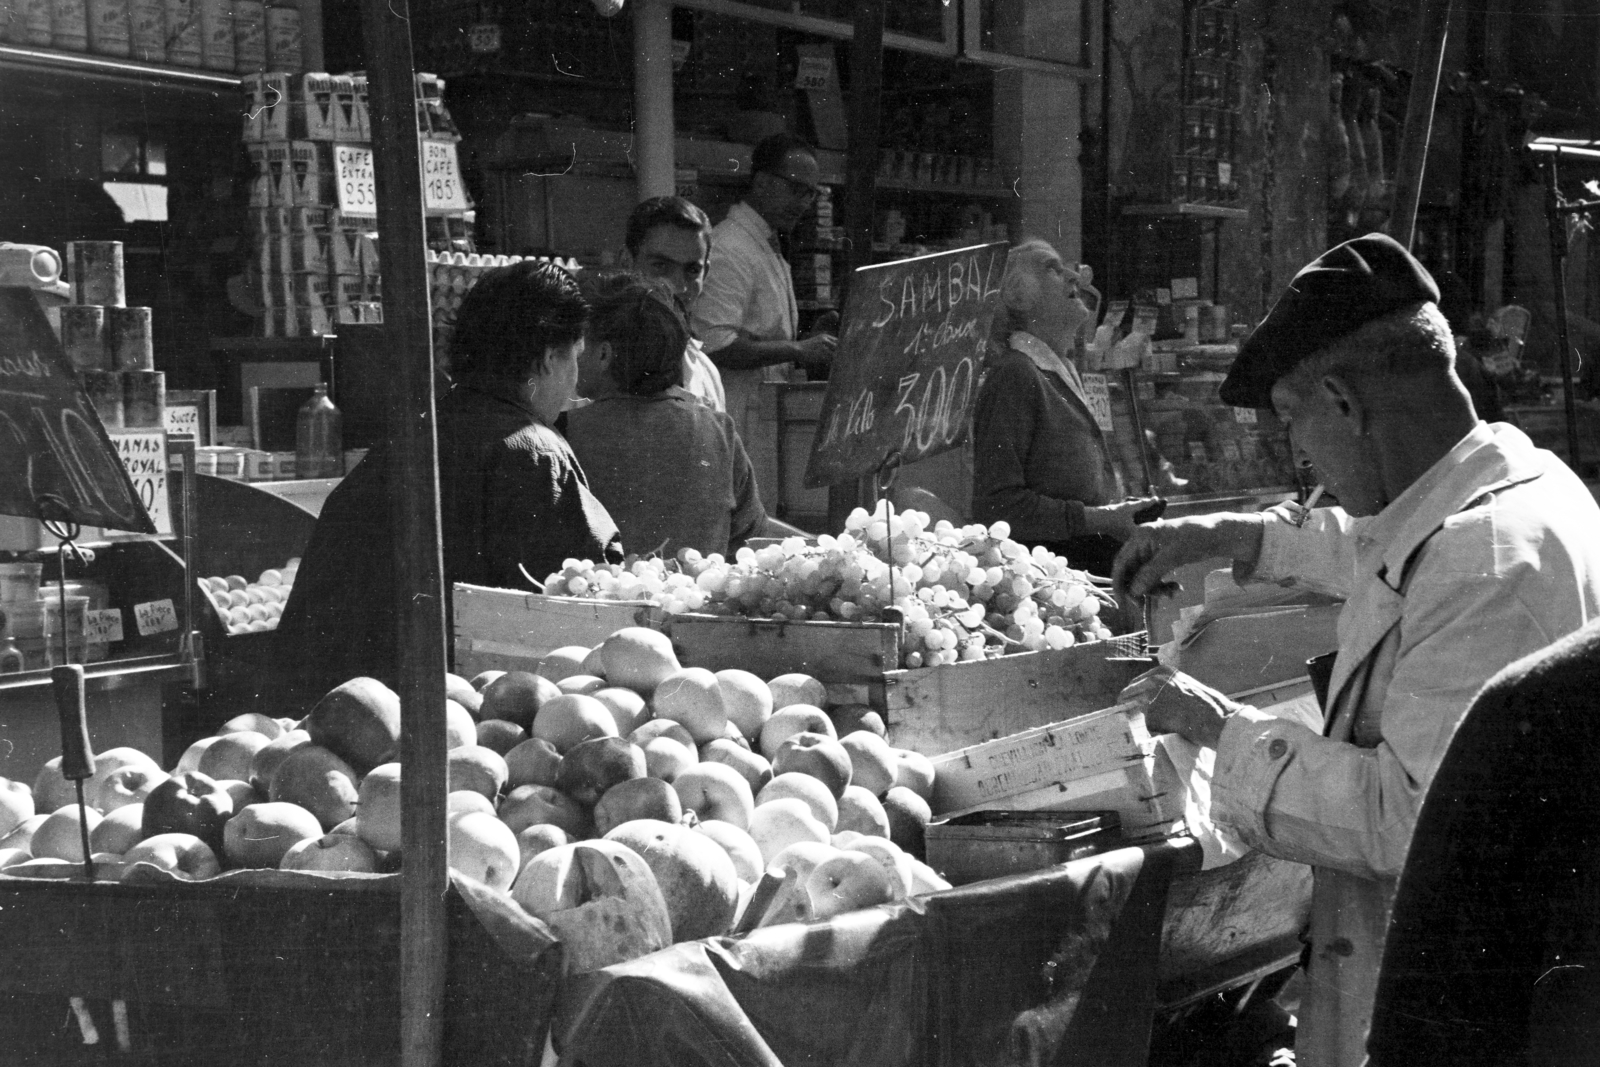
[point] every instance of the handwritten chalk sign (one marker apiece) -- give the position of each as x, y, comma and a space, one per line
51, 440
144, 456
906, 373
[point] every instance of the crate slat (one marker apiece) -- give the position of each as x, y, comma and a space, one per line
509, 630
832, 652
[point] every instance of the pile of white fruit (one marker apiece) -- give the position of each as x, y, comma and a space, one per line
623, 799
963, 593
244, 606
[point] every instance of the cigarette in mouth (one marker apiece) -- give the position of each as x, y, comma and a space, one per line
1316, 495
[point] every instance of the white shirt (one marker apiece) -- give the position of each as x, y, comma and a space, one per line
749, 291
701, 378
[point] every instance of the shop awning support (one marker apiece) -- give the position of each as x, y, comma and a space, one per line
653, 119
414, 513
1433, 29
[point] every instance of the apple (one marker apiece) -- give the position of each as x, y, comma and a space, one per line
185, 855
315, 778
460, 800
51, 790
715, 791
696, 877
627, 707
563, 662
500, 735
478, 768
124, 787
752, 766
778, 824
808, 790
848, 718
821, 757
533, 762
731, 733
378, 808
859, 810
600, 898
637, 798
187, 803
692, 697
539, 837
846, 838
61, 836
516, 696
16, 805
529, 805
190, 760
908, 816
594, 766
22, 836
330, 852
747, 700
259, 835
266, 761
738, 844
359, 722
847, 881
895, 863
665, 758
571, 718
10, 857
462, 692
106, 764
780, 897
482, 679
348, 827
120, 830
638, 658
925, 879
253, 721
482, 847
459, 726
802, 857
794, 719
914, 772
585, 684
242, 793
791, 689
872, 761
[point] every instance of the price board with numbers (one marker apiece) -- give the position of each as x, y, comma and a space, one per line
357, 185
442, 190
144, 457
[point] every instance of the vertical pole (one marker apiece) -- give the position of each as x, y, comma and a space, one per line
652, 99
861, 180
1558, 282
414, 515
1432, 31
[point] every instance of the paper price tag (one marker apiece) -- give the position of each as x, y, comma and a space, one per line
155, 617
441, 178
183, 420
104, 626
1245, 415
484, 38
815, 72
144, 454
357, 188
1098, 397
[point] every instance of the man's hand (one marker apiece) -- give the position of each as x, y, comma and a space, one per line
1175, 703
818, 348
1155, 550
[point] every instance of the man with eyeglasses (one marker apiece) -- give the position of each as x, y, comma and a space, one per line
746, 316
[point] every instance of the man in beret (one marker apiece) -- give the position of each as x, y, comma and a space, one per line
1459, 546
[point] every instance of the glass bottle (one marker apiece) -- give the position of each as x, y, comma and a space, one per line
318, 440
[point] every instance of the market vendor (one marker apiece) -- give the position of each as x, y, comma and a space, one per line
512, 497
1040, 460
670, 469
1460, 547
669, 239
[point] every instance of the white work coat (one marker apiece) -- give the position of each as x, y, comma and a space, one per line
1492, 554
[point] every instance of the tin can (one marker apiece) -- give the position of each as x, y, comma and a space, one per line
128, 339
83, 337
104, 389
250, 36
108, 27
217, 39
95, 270
144, 399
69, 25
183, 32
147, 30
285, 40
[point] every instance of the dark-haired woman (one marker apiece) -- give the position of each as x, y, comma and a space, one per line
511, 493
671, 470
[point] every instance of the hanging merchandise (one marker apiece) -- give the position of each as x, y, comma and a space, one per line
1338, 145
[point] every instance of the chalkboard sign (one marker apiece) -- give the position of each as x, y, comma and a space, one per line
906, 373
51, 440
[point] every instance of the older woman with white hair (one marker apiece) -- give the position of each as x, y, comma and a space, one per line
1040, 459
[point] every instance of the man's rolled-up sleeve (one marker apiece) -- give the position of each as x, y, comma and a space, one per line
720, 309
1320, 555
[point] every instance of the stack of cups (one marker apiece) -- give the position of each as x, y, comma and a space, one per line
108, 343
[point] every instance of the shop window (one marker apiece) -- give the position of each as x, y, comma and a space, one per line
133, 168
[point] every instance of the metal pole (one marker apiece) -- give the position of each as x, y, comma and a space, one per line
1433, 30
652, 99
1558, 282
414, 514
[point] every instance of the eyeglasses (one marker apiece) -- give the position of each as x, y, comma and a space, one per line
805, 191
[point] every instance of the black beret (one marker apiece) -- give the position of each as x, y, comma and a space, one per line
1341, 290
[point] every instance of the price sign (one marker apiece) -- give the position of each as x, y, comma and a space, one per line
155, 617
144, 456
357, 188
1247, 416
104, 627
183, 420
484, 38
441, 178
815, 72
1097, 395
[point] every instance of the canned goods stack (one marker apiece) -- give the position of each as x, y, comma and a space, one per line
109, 344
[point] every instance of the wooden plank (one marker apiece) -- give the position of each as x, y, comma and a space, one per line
833, 652
1144, 795
934, 710
510, 630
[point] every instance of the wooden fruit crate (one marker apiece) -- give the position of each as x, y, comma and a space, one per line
509, 630
839, 654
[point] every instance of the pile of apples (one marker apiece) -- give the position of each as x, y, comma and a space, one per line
963, 593
625, 800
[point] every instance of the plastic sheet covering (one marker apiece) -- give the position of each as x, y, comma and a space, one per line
1052, 967
258, 968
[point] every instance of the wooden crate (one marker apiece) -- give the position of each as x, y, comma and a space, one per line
837, 653
509, 630
1245, 652
934, 710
